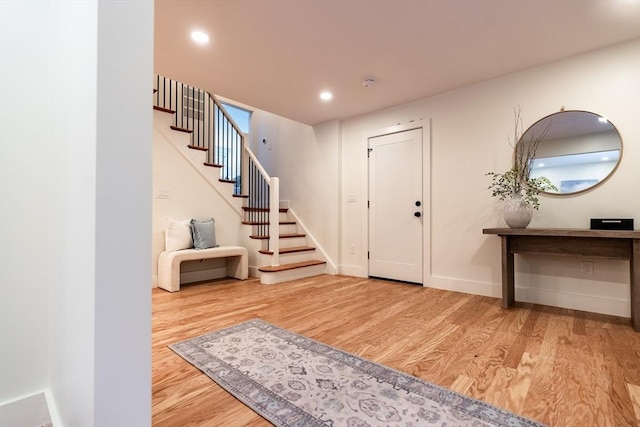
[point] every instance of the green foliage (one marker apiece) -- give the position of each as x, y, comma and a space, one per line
510, 184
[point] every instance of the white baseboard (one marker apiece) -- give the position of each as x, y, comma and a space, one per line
31, 411
53, 410
254, 272
582, 302
352, 270
591, 303
571, 300
467, 286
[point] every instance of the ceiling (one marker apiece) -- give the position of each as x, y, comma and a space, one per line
278, 55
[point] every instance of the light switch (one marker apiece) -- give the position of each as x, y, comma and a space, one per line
163, 193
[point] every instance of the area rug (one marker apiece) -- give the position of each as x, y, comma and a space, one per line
292, 380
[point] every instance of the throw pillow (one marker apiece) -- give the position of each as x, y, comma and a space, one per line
177, 235
204, 233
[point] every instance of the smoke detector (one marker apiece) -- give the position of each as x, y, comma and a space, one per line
368, 82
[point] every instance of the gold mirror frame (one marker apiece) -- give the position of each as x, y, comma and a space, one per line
580, 150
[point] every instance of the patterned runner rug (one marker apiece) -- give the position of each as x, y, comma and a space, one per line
292, 380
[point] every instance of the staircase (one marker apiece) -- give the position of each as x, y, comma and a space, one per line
296, 257
280, 250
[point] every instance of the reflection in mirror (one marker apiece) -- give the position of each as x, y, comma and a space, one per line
580, 150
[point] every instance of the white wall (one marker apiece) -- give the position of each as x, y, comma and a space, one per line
469, 136
72, 212
191, 195
306, 159
123, 212
470, 130
78, 325
25, 225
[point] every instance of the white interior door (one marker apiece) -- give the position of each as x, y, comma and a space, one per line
396, 206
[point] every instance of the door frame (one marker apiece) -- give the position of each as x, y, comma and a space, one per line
425, 125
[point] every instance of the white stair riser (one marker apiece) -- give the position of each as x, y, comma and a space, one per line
263, 244
291, 242
287, 258
288, 228
288, 275
284, 229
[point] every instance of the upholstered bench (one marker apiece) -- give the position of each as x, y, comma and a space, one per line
169, 263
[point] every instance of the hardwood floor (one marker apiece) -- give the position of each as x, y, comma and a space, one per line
556, 366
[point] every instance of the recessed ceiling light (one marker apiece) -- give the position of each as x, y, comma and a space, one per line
602, 120
200, 37
326, 96
604, 159
540, 165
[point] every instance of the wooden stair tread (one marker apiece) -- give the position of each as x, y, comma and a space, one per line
195, 147
230, 181
285, 267
282, 236
213, 165
179, 129
244, 196
265, 223
164, 110
290, 250
248, 209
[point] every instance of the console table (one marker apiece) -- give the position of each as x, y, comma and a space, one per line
608, 244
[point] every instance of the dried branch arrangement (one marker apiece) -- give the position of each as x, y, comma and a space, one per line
517, 181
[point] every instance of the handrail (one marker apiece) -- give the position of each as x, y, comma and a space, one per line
253, 157
219, 104
211, 127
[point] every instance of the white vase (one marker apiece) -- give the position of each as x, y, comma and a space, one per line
517, 212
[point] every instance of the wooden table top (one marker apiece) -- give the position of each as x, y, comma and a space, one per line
564, 232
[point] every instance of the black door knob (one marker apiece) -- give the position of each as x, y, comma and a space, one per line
418, 203
417, 214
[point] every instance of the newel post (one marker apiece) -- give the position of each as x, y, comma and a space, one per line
274, 220
244, 165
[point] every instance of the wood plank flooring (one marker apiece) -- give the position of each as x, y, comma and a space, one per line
556, 366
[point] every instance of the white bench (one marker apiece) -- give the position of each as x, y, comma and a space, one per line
169, 263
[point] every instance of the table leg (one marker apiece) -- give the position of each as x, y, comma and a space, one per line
508, 291
635, 285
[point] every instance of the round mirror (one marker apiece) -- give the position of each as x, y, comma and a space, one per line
578, 150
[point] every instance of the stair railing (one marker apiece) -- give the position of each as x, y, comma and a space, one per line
211, 127
263, 204
213, 130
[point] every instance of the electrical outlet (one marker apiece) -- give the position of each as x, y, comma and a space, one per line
587, 268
